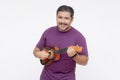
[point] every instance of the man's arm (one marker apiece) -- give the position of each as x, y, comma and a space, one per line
40, 54
81, 59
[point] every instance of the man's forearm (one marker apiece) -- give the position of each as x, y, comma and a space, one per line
35, 51
81, 59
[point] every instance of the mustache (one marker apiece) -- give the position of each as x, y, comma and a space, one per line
62, 24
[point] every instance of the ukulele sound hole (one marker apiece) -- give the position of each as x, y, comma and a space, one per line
49, 53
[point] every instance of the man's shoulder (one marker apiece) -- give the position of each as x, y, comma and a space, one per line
78, 33
50, 29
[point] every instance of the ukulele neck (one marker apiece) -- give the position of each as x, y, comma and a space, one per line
61, 50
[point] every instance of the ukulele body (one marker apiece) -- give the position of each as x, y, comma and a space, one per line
52, 55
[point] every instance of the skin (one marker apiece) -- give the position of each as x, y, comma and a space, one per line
64, 21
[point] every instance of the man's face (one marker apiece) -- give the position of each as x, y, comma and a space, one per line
64, 21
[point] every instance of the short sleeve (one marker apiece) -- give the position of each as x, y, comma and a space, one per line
41, 43
83, 44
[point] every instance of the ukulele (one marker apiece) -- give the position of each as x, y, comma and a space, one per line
54, 53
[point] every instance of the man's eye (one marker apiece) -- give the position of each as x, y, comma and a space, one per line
60, 17
67, 18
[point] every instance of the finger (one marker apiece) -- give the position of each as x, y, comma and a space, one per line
77, 45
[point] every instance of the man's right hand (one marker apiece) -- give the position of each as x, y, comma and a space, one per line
42, 55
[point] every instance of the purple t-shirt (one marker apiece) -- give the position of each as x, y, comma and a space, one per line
64, 69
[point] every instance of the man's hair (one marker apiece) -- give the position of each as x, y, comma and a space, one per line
66, 9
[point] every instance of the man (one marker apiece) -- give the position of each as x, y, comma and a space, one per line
63, 35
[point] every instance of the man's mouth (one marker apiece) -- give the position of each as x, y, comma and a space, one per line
63, 24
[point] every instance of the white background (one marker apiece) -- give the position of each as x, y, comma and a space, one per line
23, 21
